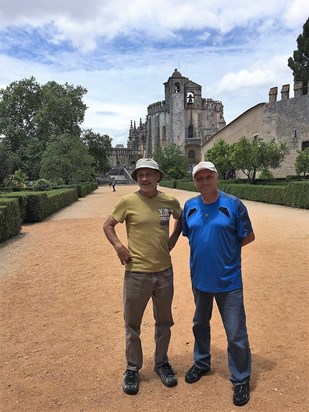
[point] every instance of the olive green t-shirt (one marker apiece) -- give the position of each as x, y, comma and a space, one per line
147, 223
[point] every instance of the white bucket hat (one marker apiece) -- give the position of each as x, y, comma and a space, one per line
203, 165
148, 164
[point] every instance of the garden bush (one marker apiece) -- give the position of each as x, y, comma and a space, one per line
293, 193
10, 220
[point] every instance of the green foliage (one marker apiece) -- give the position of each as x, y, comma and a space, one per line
62, 110
19, 104
172, 162
297, 194
266, 174
36, 206
32, 115
251, 156
302, 162
10, 221
300, 61
42, 185
29, 157
57, 182
5, 163
67, 158
16, 180
293, 194
100, 148
220, 155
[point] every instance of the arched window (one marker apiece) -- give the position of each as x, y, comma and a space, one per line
190, 131
177, 87
192, 156
190, 98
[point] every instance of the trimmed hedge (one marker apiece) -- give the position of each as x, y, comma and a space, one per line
83, 189
10, 220
297, 194
30, 206
35, 206
293, 194
39, 207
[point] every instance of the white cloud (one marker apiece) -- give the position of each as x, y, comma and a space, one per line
244, 78
237, 67
84, 21
261, 74
296, 13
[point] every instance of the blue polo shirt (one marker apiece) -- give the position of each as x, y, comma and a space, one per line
215, 232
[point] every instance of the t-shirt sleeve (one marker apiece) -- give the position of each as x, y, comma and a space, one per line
120, 210
244, 227
177, 211
185, 228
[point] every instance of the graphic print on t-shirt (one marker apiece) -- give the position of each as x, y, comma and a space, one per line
165, 214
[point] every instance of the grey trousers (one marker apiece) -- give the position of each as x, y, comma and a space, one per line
137, 291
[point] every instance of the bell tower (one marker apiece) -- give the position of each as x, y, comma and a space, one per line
175, 100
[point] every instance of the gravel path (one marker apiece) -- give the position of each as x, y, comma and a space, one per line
62, 338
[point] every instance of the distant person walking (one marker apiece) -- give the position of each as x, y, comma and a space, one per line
113, 183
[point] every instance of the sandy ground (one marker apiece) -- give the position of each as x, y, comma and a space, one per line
62, 338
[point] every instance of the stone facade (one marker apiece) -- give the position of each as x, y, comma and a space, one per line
184, 118
195, 124
286, 120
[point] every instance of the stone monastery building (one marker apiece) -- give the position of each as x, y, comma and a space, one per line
184, 118
195, 124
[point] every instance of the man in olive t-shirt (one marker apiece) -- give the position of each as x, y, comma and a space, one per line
148, 268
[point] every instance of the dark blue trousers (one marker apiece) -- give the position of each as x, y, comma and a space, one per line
232, 311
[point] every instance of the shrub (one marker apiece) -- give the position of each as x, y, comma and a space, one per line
41, 185
266, 174
10, 220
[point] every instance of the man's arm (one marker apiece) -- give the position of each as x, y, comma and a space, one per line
175, 235
250, 238
109, 230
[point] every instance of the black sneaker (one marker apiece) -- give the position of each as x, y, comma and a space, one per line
167, 374
130, 383
241, 394
194, 374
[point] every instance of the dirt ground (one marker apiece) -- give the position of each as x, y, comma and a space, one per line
62, 337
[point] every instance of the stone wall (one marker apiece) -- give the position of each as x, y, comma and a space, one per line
286, 121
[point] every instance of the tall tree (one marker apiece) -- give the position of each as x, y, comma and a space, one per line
300, 61
31, 115
302, 162
251, 156
172, 161
19, 104
220, 155
62, 110
66, 157
5, 163
100, 148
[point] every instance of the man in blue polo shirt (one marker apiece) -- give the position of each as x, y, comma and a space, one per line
217, 226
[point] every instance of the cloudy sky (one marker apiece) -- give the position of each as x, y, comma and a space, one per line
123, 51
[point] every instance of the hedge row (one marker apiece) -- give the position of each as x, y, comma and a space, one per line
10, 220
35, 206
294, 194
83, 189
29, 207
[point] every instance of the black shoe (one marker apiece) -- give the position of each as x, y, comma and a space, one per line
167, 374
241, 394
130, 384
194, 374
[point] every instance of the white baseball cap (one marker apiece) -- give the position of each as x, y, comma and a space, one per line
203, 165
148, 164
